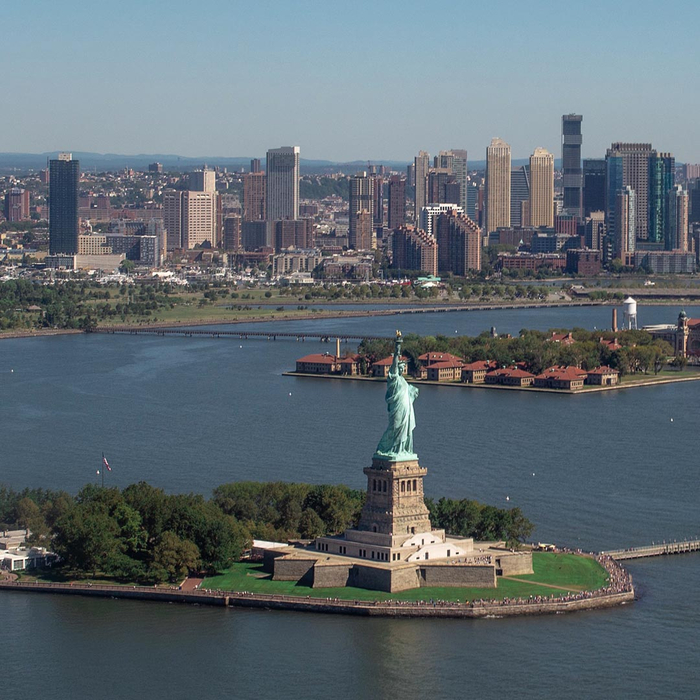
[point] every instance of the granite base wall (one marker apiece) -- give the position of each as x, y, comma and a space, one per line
300, 570
332, 576
516, 564
458, 576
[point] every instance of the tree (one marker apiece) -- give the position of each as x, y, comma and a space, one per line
175, 557
127, 266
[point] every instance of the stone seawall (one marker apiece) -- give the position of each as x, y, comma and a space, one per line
435, 609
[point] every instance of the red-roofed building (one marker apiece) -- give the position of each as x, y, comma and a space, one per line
474, 372
429, 358
447, 371
381, 367
318, 364
603, 376
558, 377
563, 338
510, 376
611, 345
350, 365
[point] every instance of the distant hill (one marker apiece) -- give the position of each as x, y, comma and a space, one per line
24, 162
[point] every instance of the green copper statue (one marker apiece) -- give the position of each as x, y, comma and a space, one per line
397, 442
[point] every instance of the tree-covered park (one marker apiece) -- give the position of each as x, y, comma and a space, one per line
142, 534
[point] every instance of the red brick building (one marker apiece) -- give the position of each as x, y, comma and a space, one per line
510, 376
558, 377
319, 363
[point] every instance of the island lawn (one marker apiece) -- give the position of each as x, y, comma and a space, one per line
555, 575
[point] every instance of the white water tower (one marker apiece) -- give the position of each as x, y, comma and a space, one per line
629, 314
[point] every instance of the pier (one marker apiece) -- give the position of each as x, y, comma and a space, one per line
655, 550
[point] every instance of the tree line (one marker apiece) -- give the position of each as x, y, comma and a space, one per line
639, 351
141, 534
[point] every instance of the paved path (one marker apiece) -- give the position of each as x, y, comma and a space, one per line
546, 585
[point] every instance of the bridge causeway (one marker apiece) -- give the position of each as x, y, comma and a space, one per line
238, 335
654, 550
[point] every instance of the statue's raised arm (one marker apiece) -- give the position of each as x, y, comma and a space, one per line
397, 442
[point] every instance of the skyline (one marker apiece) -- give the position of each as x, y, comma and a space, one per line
273, 74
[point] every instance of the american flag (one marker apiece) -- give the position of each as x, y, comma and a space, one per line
106, 463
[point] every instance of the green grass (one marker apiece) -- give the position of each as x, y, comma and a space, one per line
569, 571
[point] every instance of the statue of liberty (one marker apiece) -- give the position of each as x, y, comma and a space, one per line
397, 442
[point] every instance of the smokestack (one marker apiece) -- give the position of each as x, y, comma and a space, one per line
337, 347
614, 319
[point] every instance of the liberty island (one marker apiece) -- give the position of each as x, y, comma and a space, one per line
394, 546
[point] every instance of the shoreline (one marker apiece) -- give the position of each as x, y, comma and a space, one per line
501, 387
436, 609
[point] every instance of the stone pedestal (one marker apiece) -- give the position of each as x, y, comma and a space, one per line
394, 506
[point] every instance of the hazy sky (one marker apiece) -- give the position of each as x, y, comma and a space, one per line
346, 80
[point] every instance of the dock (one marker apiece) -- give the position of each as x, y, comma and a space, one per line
655, 550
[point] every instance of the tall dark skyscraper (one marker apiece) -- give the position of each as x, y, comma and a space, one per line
571, 163
519, 193
662, 178
64, 176
397, 202
593, 185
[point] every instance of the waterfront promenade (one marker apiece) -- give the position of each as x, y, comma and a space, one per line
619, 591
655, 550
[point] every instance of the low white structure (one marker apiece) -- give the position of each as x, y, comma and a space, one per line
21, 559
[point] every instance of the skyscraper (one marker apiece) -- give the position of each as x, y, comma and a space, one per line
413, 249
361, 212
677, 220
571, 164
593, 185
460, 171
203, 180
17, 204
422, 166
497, 185
519, 193
64, 177
255, 165
541, 188
254, 196
282, 186
635, 173
662, 178
189, 218
397, 202
624, 242
459, 244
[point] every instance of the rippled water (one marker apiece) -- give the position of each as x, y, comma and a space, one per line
188, 414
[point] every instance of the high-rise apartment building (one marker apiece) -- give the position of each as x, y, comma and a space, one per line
397, 202
593, 185
541, 188
254, 196
571, 164
189, 218
294, 234
519, 193
677, 220
662, 178
624, 242
282, 170
497, 185
203, 180
414, 249
64, 178
420, 173
427, 221
255, 165
634, 159
458, 243
594, 230
460, 172
232, 233
361, 213
378, 201
17, 204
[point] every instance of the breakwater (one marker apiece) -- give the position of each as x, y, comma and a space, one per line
619, 591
